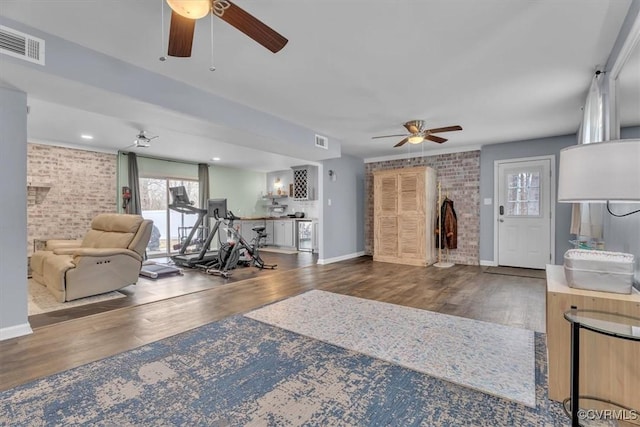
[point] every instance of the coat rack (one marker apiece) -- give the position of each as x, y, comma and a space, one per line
441, 263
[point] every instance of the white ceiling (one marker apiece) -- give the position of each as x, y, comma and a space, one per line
505, 70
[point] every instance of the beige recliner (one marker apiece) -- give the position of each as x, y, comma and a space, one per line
108, 258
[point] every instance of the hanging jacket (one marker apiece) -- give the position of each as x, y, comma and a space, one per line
448, 223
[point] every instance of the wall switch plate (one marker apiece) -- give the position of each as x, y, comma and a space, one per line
329, 202
488, 201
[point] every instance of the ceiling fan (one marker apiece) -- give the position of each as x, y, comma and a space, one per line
142, 140
184, 14
417, 134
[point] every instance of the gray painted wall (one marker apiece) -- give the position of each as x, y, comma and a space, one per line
623, 234
512, 150
343, 229
13, 226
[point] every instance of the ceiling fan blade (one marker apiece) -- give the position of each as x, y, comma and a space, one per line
387, 136
181, 35
254, 28
401, 143
444, 129
435, 138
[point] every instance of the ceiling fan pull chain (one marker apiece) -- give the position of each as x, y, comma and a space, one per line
219, 6
162, 57
212, 67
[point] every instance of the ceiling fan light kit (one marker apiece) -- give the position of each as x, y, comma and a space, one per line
192, 9
185, 13
142, 140
417, 134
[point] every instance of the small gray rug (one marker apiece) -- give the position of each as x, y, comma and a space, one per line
516, 271
494, 359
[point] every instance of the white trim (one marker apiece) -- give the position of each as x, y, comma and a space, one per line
15, 331
74, 146
552, 201
488, 263
631, 41
322, 261
428, 153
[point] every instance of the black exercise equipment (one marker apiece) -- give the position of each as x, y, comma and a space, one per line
237, 251
152, 270
181, 203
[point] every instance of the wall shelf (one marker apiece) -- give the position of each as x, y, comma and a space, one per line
35, 182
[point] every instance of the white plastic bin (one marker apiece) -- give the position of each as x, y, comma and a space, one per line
599, 270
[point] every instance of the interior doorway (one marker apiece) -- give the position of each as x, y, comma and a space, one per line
524, 211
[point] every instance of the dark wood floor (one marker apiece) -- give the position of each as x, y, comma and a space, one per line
194, 280
155, 310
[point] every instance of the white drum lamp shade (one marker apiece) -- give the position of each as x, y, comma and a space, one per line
600, 172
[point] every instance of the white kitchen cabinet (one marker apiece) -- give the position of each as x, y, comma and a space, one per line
283, 233
269, 231
246, 227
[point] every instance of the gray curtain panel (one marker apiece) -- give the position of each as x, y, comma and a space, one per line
135, 207
203, 189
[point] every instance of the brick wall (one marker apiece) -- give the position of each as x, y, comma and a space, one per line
68, 188
459, 175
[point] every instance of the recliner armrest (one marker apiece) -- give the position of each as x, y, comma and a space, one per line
97, 252
52, 245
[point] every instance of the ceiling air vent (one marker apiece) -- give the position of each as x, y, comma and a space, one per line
21, 45
322, 142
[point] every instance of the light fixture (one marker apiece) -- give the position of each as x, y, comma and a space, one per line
86, 137
600, 172
415, 139
278, 183
192, 9
215, 159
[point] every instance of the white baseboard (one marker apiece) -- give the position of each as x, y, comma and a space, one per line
340, 258
488, 263
15, 331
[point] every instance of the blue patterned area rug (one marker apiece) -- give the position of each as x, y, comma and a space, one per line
242, 372
492, 358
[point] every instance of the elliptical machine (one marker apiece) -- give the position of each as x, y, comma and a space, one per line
237, 251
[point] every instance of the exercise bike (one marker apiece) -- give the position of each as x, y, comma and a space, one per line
237, 251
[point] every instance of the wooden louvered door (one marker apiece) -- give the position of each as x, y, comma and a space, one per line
411, 221
386, 217
403, 208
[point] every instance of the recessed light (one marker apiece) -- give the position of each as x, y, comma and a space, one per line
215, 159
86, 136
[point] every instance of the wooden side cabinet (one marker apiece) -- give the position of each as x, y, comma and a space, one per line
404, 209
609, 367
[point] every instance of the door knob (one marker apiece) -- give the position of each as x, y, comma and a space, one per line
501, 220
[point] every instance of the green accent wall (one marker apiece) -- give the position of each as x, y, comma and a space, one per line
243, 190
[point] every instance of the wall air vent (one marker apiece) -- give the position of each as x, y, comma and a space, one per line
322, 142
20, 45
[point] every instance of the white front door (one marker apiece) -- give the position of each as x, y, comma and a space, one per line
524, 213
